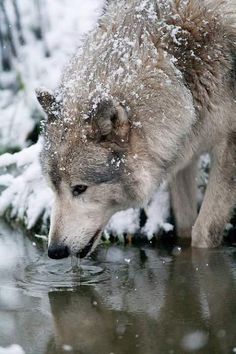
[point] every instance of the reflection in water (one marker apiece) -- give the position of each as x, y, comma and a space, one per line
127, 300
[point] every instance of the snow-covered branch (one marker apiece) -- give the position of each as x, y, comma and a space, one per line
25, 196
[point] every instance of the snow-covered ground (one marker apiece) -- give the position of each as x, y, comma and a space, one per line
25, 196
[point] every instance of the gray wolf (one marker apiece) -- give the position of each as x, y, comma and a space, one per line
149, 91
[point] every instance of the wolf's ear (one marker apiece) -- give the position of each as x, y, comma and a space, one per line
111, 124
48, 102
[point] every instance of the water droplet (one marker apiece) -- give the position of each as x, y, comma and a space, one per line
221, 333
74, 263
67, 347
176, 251
194, 341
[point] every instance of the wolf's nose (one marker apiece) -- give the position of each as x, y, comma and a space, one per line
58, 251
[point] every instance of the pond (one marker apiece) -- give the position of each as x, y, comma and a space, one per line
125, 300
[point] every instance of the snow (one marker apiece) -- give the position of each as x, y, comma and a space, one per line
21, 158
26, 195
158, 211
124, 222
175, 30
13, 349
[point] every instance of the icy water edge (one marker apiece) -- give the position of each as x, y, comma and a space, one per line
134, 300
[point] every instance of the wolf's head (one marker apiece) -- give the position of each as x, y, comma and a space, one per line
86, 160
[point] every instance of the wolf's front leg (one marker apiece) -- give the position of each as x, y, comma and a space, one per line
220, 196
183, 188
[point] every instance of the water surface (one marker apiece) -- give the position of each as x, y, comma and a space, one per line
126, 299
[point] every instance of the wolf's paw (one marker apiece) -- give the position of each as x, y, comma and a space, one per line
202, 238
199, 243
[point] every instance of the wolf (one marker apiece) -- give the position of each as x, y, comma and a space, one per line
151, 88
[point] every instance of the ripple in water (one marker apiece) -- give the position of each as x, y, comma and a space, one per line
45, 275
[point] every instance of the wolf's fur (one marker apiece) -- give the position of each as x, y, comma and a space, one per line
152, 88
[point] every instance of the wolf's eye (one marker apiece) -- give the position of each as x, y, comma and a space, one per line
77, 190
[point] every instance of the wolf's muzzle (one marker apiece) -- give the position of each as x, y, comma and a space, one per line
83, 253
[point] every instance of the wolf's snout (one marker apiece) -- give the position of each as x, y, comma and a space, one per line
58, 251
83, 252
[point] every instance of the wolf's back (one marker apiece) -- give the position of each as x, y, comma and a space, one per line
201, 36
